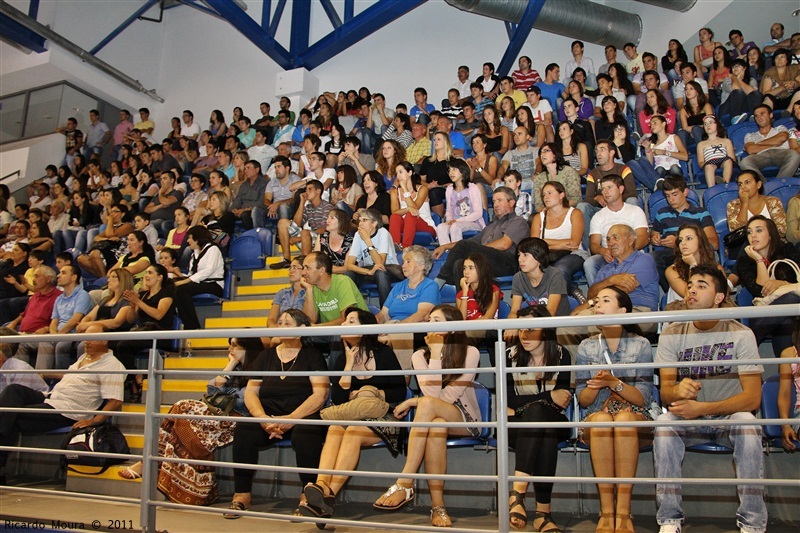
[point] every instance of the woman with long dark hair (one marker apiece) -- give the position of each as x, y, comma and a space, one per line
555, 168
536, 397
622, 395
720, 69
411, 210
445, 397
656, 104
675, 52
715, 151
343, 443
695, 107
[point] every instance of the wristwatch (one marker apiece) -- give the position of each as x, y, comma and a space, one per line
479, 169
370, 248
406, 195
619, 386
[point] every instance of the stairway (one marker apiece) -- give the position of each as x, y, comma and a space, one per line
249, 307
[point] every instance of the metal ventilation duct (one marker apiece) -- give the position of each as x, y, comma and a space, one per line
675, 5
579, 19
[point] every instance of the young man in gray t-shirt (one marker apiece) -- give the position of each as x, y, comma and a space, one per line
724, 391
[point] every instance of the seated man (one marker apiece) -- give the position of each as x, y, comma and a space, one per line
352, 156
722, 392
670, 218
650, 63
328, 295
521, 158
399, 131
651, 82
445, 125
497, 241
75, 391
422, 146
39, 309
285, 150
629, 270
739, 47
306, 225
69, 308
769, 146
161, 207
278, 196
250, 194
507, 89
260, 150
616, 211
688, 73
9, 363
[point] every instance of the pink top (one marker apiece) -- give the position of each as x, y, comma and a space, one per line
459, 390
796, 376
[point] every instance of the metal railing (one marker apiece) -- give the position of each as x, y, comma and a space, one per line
156, 373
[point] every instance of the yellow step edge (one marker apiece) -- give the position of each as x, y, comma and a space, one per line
214, 343
248, 290
112, 473
195, 363
247, 305
135, 441
181, 385
271, 274
140, 408
236, 322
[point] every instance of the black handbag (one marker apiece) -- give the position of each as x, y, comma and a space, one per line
219, 403
736, 238
104, 438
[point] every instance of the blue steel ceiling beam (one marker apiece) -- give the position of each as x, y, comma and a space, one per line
33, 9
266, 7
13, 31
253, 32
352, 31
510, 29
333, 16
301, 31
521, 34
119, 29
276, 18
195, 5
349, 9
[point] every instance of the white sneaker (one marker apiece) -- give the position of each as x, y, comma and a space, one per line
670, 528
738, 118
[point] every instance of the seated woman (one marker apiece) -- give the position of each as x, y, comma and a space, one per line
81, 218
343, 443
523, 116
780, 82
291, 297
219, 220
498, 137
411, 211
374, 197
536, 397
574, 152
464, 205
790, 377
479, 297
410, 300
434, 171
277, 397
663, 152
621, 395
337, 239
206, 275
483, 164
715, 151
129, 191
764, 247
695, 107
656, 104
108, 246
561, 227
372, 257
345, 190
694, 250
176, 238
720, 71
196, 196
390, 155
40, 237
750, 203
197, 439
555, 168
140, 255
445, 398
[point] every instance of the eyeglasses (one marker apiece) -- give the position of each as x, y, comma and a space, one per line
545, 151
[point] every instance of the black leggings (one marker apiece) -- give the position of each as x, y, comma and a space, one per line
307, 444
185, 305
12, 424
537, 448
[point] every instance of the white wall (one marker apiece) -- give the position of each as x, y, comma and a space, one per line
198, 62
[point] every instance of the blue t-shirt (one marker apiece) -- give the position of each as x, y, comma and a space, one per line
403, 301
551, 92
416, 111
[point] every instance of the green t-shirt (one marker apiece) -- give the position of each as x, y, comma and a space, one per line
340, 295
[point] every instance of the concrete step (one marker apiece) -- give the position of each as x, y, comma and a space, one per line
270, 274
180, 385
195, 363
260, 290
261, 304
236, 322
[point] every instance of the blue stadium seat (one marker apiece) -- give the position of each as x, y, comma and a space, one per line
202, 300
250, 249
448, 294
769, 408
504, 309
736, 134
485, 406
783, 188
716, 201
425, 239
472, 233
658, 201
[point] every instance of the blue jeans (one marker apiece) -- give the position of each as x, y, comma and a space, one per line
669, 448
592, 266
382, 278
645, 173
259, 214
569, 265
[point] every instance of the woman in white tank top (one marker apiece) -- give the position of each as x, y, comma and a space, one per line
664, 154
561, 227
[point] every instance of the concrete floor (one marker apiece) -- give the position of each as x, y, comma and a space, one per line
26, 507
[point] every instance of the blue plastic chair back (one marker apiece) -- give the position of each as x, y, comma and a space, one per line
736, 134
783, 188
250, 249
448, 294
716, 201
658, 201
504, 309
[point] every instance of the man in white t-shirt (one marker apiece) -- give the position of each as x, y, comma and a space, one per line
260, 150
189, 130
616, 211
540, 108
688, 73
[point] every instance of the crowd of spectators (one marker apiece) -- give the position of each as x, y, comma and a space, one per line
400, 198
